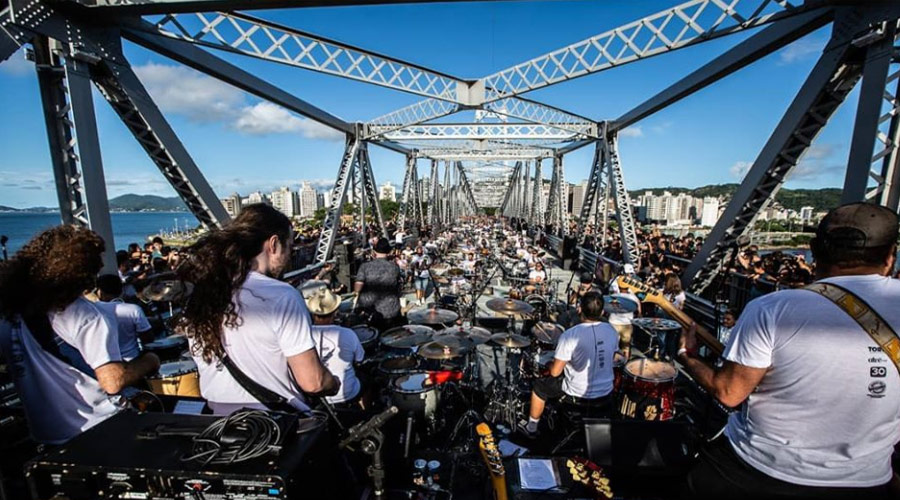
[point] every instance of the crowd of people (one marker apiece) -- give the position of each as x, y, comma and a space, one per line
812, 370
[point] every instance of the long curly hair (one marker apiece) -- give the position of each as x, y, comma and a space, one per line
52, 270
217, 266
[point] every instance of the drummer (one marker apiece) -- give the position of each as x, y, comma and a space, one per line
538, 275
338, 347
468, 264
582, 367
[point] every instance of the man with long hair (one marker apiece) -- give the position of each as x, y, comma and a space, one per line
238, 308
62, 350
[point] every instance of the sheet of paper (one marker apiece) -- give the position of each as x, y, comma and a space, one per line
536, 474
510, 449
183, 407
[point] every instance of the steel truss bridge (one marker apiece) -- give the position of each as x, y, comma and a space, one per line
505, 153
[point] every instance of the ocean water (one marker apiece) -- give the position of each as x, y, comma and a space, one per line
130, 227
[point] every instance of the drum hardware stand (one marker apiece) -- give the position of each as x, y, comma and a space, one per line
370, 440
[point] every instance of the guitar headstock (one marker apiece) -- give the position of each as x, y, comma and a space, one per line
650, 294
591, 475
489, 451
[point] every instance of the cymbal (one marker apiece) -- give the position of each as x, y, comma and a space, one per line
509, 306
432, 316
455, 272
407, 336
433, 350
165, 290
511, 340
439, 269
618, 304
656, 324
546, 332
463, 338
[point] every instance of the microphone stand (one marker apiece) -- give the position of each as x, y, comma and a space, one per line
370, 440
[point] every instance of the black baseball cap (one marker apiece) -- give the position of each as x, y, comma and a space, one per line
858, 225
586, 277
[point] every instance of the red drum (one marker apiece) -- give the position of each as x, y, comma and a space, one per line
618, 363
648, 390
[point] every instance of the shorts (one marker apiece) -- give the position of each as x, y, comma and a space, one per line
422, 284
548, 388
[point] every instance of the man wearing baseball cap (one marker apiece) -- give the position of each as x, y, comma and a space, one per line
818, 395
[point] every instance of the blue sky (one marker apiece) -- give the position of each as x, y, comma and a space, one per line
242, 144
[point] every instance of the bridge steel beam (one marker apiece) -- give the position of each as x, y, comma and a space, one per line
878, 59
765, 42
65, 86
537, 197
835, 74
332, 221
370, 188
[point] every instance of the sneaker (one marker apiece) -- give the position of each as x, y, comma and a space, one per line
523, 429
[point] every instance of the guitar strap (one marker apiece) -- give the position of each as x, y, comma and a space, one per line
867, 318
269, 398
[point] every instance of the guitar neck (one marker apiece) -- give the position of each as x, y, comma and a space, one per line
492, 460
707, 338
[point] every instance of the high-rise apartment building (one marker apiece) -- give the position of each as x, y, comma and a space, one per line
309, 200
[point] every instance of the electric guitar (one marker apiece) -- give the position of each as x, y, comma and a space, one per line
591, 475
491, 456
655, 296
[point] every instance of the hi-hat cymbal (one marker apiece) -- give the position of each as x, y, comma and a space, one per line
432, 316
509, 306
165, 290
439, 269
455, 272
511, 340
546, 332
407, 336
433, 350
619, 304
463, 338
656, 324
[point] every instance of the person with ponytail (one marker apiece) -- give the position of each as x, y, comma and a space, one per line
239, 309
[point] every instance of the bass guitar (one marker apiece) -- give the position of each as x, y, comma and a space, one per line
655, 296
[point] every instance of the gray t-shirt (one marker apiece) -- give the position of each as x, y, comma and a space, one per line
381, 287
827, 412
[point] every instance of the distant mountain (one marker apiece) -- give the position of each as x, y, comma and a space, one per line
791, 199
146, 203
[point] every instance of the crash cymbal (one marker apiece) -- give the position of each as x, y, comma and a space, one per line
439, 269
511, 340
432, 316
407, 336
546, 332
455, 272
656, 324
433, 350
165, 290
619, 304
310, 287
463, 338
509, 306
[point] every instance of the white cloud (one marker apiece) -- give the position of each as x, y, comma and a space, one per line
740, 169
203, 99
634, 131
177, 89
17, 65
266, 118
816, 162
799, 50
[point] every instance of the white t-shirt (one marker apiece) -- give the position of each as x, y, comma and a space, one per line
827, 413
339, 348
61, 401
624, 318
537, 276
588, 350
130, 320
275, 326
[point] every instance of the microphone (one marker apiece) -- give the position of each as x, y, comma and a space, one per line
360, 431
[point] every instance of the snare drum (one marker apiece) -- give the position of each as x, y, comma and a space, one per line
415, 393
176, 378
398, 365
169, 348
648, 390
368, 336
